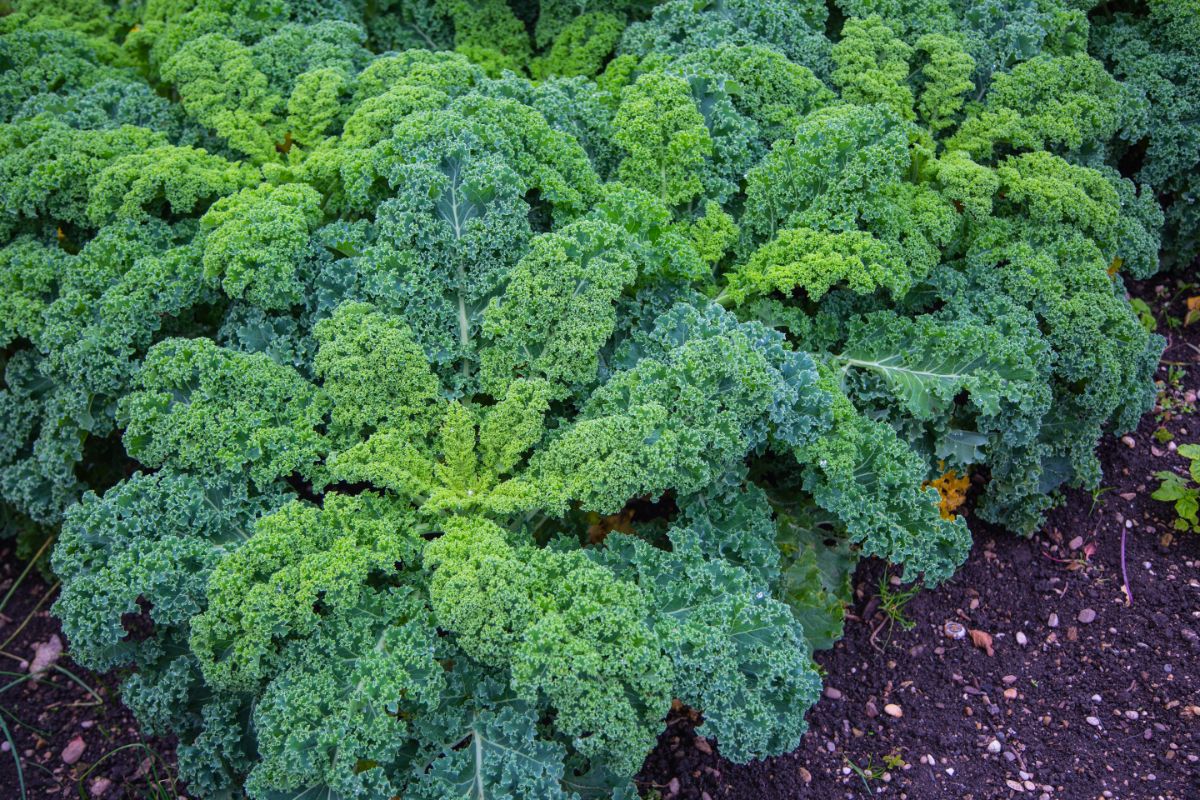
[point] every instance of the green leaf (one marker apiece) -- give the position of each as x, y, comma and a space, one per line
487, 746
1172, 487
929, 367
1187, 506
817, 565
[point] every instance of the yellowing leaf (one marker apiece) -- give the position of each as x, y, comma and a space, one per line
1193, 310
953, 490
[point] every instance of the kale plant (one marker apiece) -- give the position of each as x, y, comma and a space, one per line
429, 392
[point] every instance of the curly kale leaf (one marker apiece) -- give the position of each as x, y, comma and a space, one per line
553, 618
163, 534
868, 478
1059, 103
374, 374
848, 168
485, 742
162, 181
254, 240
723, 633
706, 392
223, 89
208, 410
558, 308
681, 26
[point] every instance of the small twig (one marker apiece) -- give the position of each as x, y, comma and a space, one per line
1124, 573
875, 633
75, 704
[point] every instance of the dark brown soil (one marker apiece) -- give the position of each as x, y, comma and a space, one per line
43, 717
1104, 709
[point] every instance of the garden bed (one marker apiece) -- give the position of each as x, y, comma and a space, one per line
1082, 694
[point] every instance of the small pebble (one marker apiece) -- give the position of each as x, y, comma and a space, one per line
832, 693
673, 787
74, 750
1022, 639
1131, 714
1016, 787
1076, 543
1128, 442
46, 655
1009, 680
5, 747
1053, 620
1093, 721
100, 787
893, 710
1087, 616
993, 746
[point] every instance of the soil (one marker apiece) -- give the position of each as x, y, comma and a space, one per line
1059, 709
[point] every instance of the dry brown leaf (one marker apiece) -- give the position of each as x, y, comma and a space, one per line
982, 640
600, 527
